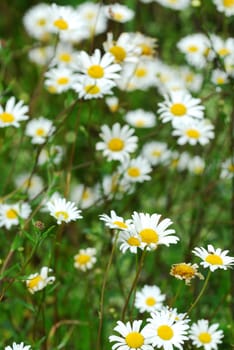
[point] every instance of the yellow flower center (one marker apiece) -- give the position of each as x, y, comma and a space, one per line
89, 15
65, 57
139, 123
41, 22
174, 163
192, 48
134, 172
118, 52
150, 301
7, 117
85, 194
61, 24
146, 50
92, 89
214, 259
189, 78
11, 214
178, 109
183, 270
220, 80
148, 235
95, 71
116, 144
165, 332
61, 215
204, 338
52, 89
133, 241
63, 80
231, 168
120, 224
228, 3
156, 153
134, 340
224, 52
193, 133
40, 132
140, 72
32, 283
118, 16
83, 259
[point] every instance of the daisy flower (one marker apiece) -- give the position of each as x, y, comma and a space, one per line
219, 77
63, 211
88, 88
175, 4
112, 186
119, 13
64, 55
179, 105
37, 21
196, 165
84, 196
131, 336
60, 79
140, 118
118, 142
39, 129
41, 55
114, 221
136, 170
85, 259
223, 48
30, 184
156, 152
196, 48
205, 335
214, 258
146, 44
54, 155
20, 346
193, 131
152, 230
193, 81
98, 67
225, 6
93, 16
112, 103
185, 271
227, 167
149, 299
165, 331
63, 19
13, 113
129, 240
10, 214
39, 281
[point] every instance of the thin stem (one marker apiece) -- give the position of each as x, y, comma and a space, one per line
201, 293
134, 283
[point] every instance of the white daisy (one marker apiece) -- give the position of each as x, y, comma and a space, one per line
180, 105
64, 19
63, 211
149, 299
152, 230
37, 21
129, 240
165, 331
196, 48
93, 16
64, 55
193, 81
41, 55
39, 129
223, 48
119, 13
13, 113
88, 88
214, 258
225, 6
219, 77
20, 346
11, 214
39, 281
112, 103
85, 259
136, 170
84, 196
175, 4
205, 335
146, 44
112, 186
114, 221
54, 155
98, 67
156, 152
193, 131
131, 336
60, 79
118, 142
227, 169
196, 165
32, 185
140, 118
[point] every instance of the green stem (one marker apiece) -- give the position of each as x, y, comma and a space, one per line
201, 293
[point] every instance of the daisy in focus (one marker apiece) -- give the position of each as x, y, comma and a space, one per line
129, 240
88, 88
214, 258
39, 281
63, 210
193, 131
10, 214
179, 105
205, 335
13, 113
149, 299
85, 259
118, 142
114, 221
165, 331
20, 346
225, 6
131, 336
119, 13
186, 272
136, 170
39, 130
140, 118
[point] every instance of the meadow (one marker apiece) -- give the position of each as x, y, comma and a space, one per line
117, 175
